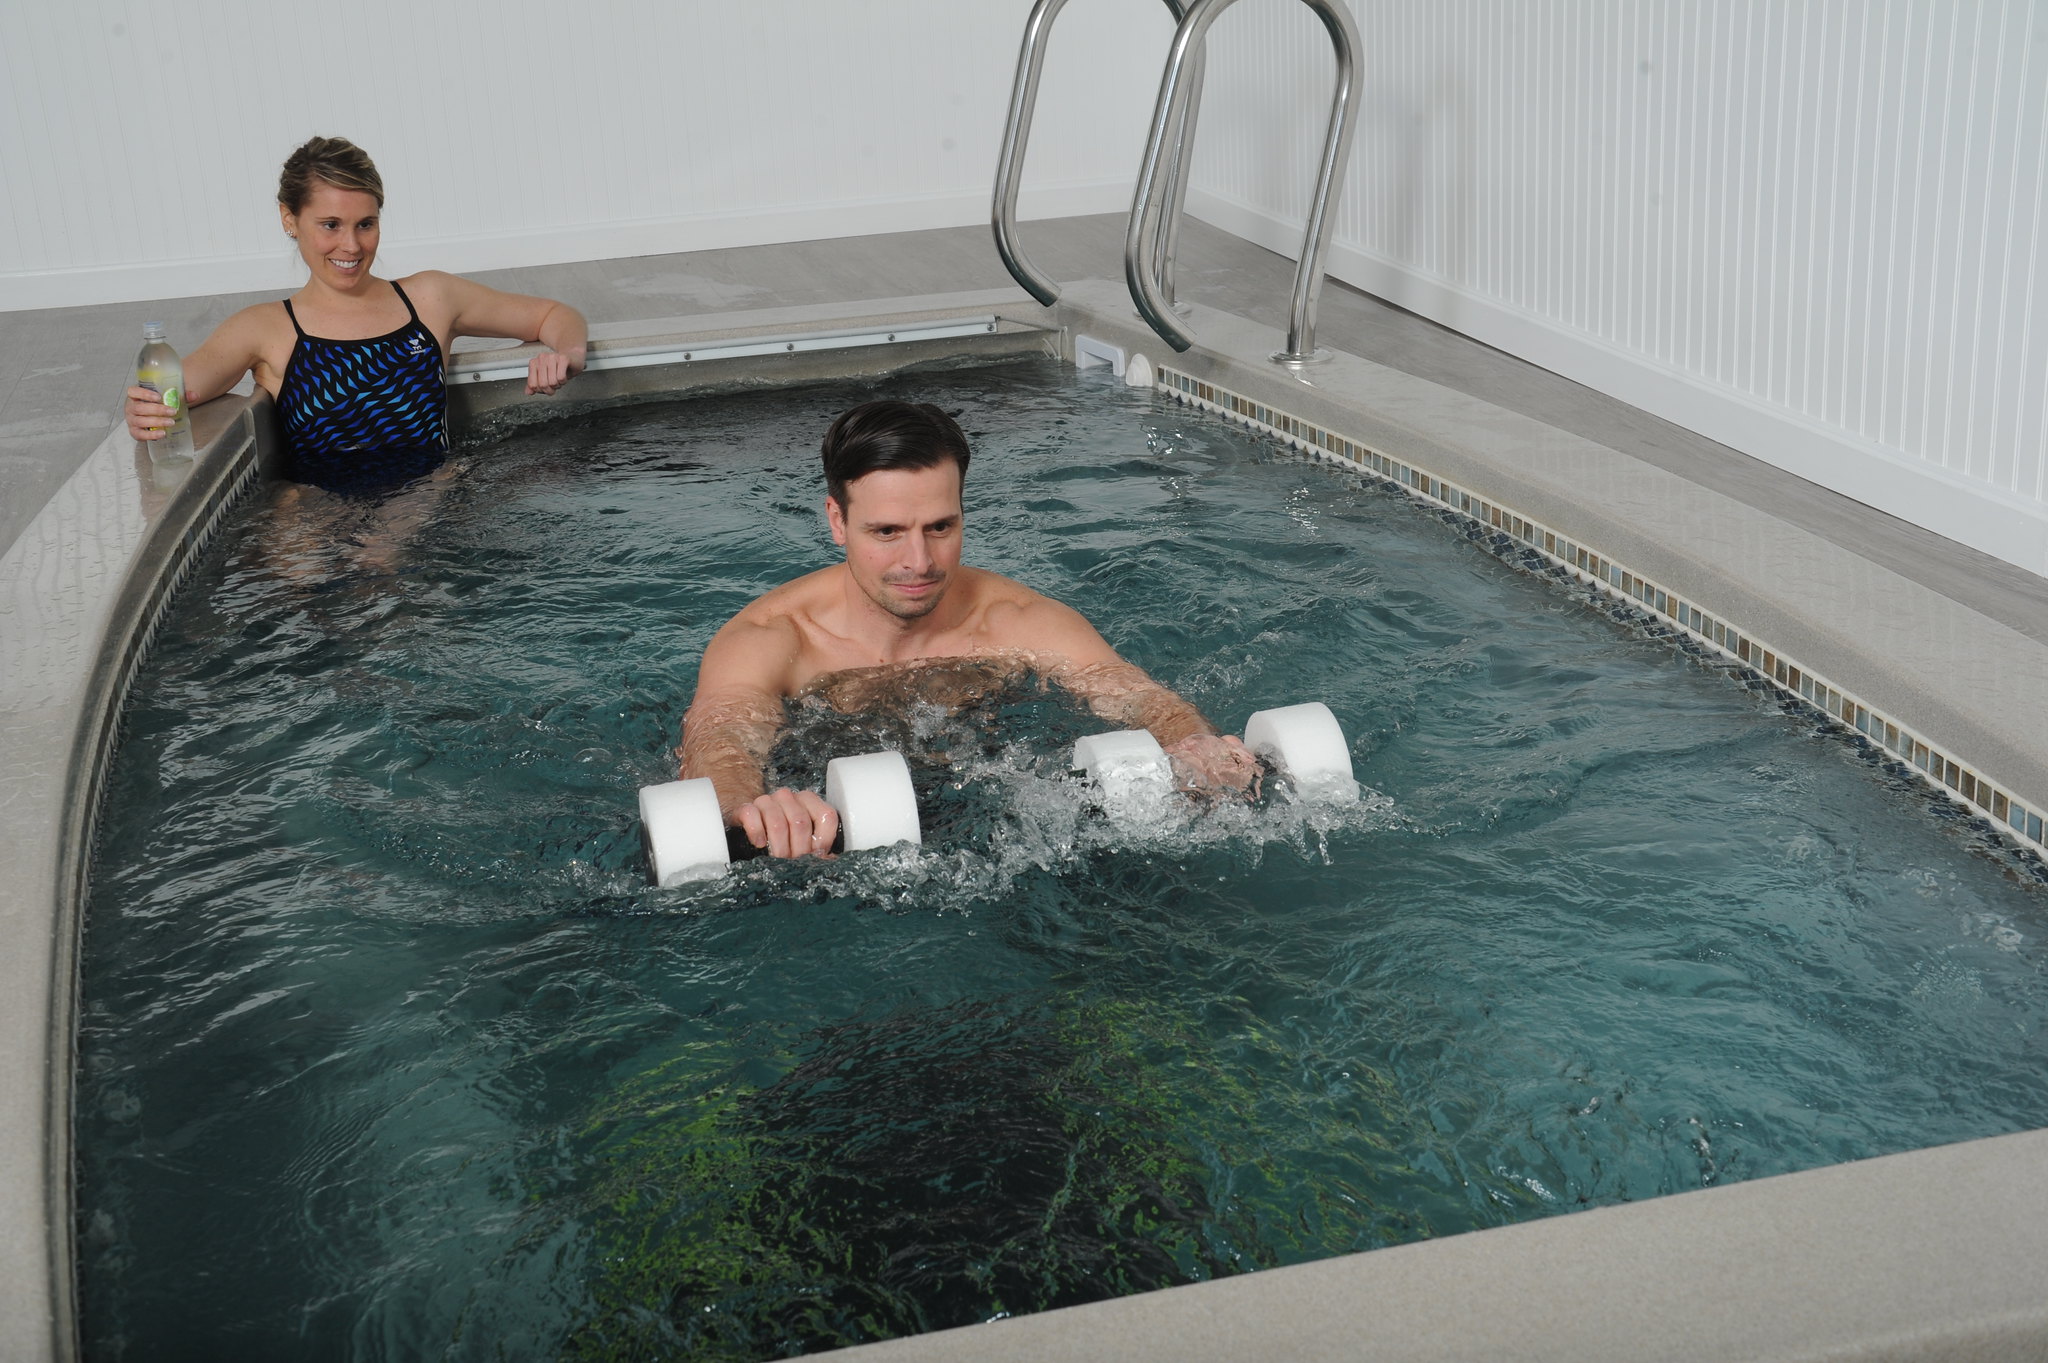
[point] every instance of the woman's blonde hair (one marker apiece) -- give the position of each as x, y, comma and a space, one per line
327, 161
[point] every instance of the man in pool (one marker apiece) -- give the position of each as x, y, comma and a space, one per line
897, 615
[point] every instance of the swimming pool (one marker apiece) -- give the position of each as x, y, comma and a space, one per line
560, 1085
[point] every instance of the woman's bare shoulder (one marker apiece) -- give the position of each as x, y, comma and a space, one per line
258, 337
257, 322
437, 294
433, 282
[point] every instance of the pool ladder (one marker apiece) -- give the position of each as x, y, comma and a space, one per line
1157, 203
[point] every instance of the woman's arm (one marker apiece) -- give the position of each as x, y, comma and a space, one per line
234, 348
475, 309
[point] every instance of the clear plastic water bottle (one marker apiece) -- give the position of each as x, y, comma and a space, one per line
158, 369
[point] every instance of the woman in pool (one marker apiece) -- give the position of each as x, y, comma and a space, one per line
356, 362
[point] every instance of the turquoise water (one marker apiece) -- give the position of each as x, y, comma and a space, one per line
389, 1052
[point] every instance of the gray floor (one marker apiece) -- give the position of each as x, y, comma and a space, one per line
62, 369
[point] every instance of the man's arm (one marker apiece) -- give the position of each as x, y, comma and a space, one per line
1077, 657
730, 728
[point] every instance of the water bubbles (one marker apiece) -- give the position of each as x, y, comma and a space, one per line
1703, 1149
1948, 984
1995, 928
1138, 795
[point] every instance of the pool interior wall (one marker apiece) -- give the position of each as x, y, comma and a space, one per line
1940, 1249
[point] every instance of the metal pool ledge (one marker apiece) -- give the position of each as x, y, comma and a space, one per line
766, 348
638, 356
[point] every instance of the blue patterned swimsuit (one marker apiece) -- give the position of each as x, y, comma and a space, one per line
363, 416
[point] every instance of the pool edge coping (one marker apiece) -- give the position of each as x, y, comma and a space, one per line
1687, 1277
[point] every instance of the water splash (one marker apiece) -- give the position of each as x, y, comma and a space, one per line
996, 817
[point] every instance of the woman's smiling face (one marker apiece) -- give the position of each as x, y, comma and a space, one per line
337, 235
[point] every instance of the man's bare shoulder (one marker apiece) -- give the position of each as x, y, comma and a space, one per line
762, 647
988, 590
793, 603
1005, 596
1014, 616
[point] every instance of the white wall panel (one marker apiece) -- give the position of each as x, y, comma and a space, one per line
1812, 230
141, 143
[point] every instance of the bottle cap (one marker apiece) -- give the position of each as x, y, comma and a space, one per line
152, 331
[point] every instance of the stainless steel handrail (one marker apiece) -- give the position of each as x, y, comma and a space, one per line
1175, 94
1017, 132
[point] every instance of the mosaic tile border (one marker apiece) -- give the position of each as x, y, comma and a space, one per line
2021, 821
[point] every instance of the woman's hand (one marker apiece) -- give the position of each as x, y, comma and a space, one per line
551, 369
148, 418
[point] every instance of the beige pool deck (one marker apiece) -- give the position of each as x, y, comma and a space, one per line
1933, 1254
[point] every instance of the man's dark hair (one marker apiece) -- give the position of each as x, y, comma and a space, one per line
889, 435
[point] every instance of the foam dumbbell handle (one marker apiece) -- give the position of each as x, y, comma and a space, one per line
1305, 742
876, 802
739, 847
684, 831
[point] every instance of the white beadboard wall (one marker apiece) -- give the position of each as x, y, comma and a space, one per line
140, 144
1812, 229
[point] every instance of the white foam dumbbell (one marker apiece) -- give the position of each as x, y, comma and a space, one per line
1305, 744
684, 830
687, 838
877, 806
1132, 775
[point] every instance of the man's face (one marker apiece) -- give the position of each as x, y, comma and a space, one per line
901, 531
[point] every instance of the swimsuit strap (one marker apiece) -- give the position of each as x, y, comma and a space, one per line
411, 311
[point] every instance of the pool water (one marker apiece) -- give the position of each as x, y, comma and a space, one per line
389, 1051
